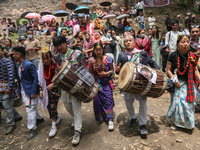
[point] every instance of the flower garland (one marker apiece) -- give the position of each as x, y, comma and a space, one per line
178, 66
49, 74
96, 65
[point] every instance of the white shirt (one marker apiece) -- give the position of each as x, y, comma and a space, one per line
186, 32
172, 41
151, 21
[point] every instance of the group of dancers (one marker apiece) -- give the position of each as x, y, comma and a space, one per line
35, 85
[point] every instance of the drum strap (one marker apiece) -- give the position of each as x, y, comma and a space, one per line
134, 57
68, 54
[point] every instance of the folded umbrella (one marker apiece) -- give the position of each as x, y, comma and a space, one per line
48, 17
61, 13
32, 15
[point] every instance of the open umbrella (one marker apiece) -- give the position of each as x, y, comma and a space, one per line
122, 16
25, 13
20, 22
86, 2
61, 13
71, 6
45, 12
110, 16
32, 15
105, 3
82, 9
48, 17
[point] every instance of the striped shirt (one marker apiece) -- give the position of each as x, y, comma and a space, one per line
7, 72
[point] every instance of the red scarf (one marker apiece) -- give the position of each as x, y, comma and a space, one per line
192, 78
52, 72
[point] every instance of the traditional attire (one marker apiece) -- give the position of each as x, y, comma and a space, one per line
144, 44
94, 38
103, 102
97, 24
88, 45
155, 44
183, 100
75, 26
90, 27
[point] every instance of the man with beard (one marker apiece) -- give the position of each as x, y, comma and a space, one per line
139, 56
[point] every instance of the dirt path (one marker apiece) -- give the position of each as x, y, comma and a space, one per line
97, 137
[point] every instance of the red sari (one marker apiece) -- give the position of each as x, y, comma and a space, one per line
144, 44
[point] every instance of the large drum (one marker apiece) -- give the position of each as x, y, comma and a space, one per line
142, 80
72, 81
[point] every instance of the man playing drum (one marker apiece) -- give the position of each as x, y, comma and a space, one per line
72, 104
139, 56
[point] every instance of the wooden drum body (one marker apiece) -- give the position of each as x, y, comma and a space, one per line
131, 81
69, 81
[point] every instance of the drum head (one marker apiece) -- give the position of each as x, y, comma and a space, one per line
125, 75
60, 71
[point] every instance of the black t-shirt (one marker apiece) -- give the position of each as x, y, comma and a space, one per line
173, 59
12, 23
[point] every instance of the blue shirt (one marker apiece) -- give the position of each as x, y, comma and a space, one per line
7, 72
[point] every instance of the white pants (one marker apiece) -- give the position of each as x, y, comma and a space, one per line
74, 108
129, 99
32, 115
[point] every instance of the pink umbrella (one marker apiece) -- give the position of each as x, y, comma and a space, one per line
110, 16
48, 17
32, 15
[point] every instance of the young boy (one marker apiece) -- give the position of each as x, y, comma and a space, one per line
163, 52
28, 88
141, 21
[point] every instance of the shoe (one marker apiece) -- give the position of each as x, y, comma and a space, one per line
52, 132
76, 138
10, 129
32, 134
173, 126
110, 125
59, 118
18, 119
72, 125
40, 120
132, 122
143, 130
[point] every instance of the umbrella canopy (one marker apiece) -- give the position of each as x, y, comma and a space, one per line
25, 13
21, 21
82, 9
32, 15
122, 16
48, 17
45, 12
105, 3
110, 16
86, 2
71, 6
61, 13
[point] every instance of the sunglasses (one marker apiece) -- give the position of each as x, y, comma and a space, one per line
194, 26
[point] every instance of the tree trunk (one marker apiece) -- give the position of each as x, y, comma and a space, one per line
190, 4
126, 4
63, 5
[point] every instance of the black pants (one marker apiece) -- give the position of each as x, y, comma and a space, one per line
164, 64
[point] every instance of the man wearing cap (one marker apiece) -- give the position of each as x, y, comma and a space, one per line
168, 22
134, 55
188, 15
28, 88
7, 78
178, 20
171, 38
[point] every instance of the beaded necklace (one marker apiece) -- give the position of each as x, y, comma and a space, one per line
96, 65
49, 74
178, 66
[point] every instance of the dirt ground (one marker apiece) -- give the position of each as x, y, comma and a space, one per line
96, 136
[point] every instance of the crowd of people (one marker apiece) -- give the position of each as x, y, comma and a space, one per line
103, 53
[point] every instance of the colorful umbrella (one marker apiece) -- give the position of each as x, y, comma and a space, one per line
45, 12
32, 15
71, 6
122, 16
110, 16
105, 3
25, 13
48, 17
82, 9
86, 2
20, 22
61, 13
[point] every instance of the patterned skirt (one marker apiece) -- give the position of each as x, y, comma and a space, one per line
180, 112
